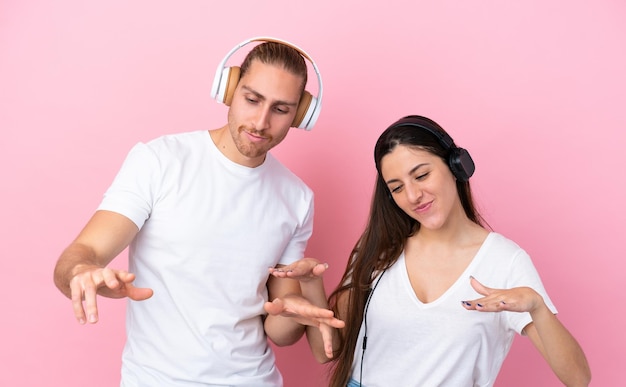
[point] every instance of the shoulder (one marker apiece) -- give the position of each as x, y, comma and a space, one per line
500, 243
503, 252
178, 141
171, 148
284, 176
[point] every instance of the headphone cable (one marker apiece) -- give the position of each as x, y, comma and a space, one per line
367, 304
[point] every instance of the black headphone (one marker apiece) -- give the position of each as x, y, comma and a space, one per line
459, 159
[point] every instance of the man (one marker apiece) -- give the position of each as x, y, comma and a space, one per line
206, 214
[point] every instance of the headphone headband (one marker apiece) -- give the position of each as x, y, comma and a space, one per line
458, 159
444, 138
306, 115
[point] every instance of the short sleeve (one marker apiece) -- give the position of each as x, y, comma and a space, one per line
134, 188
297, 245
524, 273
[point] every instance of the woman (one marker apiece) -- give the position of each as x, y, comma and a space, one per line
430, 297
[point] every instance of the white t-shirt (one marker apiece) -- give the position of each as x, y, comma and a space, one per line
440, 343
209, 231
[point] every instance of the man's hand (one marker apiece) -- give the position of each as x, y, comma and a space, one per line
89, 281
305, 313
303, 270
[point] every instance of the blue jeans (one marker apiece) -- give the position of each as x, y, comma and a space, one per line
353, 383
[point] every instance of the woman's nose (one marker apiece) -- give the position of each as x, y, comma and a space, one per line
413, 193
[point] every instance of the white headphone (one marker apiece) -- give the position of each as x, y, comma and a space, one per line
226, 79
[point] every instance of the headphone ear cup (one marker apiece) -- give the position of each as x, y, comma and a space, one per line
230, 83
303, 112
220, 83
461, 164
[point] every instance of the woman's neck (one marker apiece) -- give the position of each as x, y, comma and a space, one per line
458, 231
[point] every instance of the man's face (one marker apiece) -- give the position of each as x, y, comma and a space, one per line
262, 110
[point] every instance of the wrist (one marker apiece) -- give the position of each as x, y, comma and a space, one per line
81, 268
314, 292
539, 308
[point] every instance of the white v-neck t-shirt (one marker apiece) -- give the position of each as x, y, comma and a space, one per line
410, 343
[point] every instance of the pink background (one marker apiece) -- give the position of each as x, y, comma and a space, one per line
534, 89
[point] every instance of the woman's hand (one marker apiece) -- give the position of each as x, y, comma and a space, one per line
521, 299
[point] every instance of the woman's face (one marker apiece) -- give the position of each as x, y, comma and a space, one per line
422, 186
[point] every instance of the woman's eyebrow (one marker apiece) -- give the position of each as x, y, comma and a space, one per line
415, 168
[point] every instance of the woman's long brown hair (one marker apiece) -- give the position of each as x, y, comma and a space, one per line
382, 241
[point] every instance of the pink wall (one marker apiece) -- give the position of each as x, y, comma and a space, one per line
534, 89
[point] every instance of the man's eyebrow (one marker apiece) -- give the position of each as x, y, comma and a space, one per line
262, 97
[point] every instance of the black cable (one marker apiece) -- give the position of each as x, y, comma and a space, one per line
367, 304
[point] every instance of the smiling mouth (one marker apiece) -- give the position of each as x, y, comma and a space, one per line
255, 136
423, 207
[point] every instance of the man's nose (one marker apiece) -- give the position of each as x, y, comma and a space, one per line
262, 119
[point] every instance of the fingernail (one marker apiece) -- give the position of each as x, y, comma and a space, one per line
81, 321
466, 303
503, 303
479, 305
325, 266
472, 277
93, 318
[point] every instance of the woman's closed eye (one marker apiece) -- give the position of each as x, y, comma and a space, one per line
418, 177
422, 176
